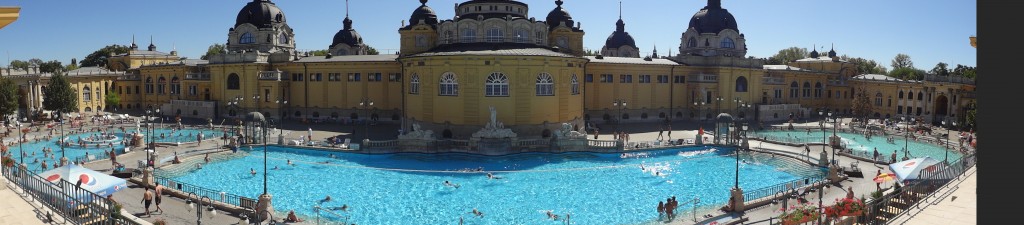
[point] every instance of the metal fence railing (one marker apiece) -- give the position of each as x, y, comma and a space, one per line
781, 188
76, 205
224, 197
892, 205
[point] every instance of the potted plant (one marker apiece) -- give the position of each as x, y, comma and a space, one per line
8, 162
845, 207
798, 214
159, 222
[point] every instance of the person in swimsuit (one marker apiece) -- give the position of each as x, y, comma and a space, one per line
159, 189
147, 199
252, 171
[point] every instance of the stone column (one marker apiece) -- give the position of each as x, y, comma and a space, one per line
833, 174
147, 176
736, 194
264, 204
823, 159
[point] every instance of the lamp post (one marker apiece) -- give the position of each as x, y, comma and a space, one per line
906, 137
833, 130
255, 221
947, 140
719, 105
235, 103
63, 142
199, 210
620, 103
152, 140
737, 183
366, 103
700, 109
280, 105
21, 147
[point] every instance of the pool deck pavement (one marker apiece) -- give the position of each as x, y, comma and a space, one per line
176, 213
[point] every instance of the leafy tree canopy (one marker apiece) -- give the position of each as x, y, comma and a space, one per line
59, 95
788, 55
99, 57
213, 50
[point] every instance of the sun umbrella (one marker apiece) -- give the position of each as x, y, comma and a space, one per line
885, 177
92, 181
915, 168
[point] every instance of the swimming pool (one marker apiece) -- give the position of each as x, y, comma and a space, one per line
864, 146
408, 188
182, 135
34, 150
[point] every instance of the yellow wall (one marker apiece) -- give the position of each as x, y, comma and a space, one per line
328, 97
652, 98
96, 85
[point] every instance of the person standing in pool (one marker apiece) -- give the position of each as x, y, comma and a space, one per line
661, 209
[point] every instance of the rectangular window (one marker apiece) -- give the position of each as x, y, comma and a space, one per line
353, 77
778, 93
395, 77
899, 110
298, 77
137, 89
607, 78
679, 79
589, 78
625, 78
663, 79
373, 77
644, 79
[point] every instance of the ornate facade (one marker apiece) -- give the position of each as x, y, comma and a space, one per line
449, 74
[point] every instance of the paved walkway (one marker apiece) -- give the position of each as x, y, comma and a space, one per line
16, 209
955, 203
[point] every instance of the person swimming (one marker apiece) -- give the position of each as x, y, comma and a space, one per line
342, 208
326, 199
450, 184
552, 215
252, 171
492, 176
290, 162
478, 213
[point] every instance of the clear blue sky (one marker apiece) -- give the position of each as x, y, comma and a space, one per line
928, 31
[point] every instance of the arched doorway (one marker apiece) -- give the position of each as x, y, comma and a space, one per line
446, 134
941, 108
546, 133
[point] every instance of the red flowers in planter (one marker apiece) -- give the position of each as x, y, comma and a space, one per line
845, 207
798, 214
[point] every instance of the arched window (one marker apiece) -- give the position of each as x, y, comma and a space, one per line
522, 36
449, 37
495, 34
920, 95
175, 86
794, 90
910, 95
691, 43
247, 38
741, 84
233, 82
497, 85
901, 94
342, 51
161, 85
468, 35
86, 93
563, 42
818, 89
149, 85
878, 99
727, 43
807, 89
539, 39
414, 84
449, 85
283, 38
575, 82
545, 85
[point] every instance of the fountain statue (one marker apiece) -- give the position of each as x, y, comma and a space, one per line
567, 133
494, 128
417, 133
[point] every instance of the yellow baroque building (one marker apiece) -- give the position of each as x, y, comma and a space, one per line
450, 73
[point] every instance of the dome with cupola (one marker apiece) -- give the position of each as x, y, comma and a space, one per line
260, 13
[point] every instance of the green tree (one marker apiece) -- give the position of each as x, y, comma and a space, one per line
213, 50
907, 73
902, 61
59, 96
318, 52
972, 112
862, 105
940, 69
867, 66
99, 57
788, 55
8, 97
964, 71
371, 51
112, 100
18, 64
52, 66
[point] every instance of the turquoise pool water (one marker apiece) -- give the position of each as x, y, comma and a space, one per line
858, 143
183, 135
34, 150
408, 188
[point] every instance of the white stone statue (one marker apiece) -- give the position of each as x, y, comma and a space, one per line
418, 134
494, 117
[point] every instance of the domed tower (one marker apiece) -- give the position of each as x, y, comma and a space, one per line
347, 41
620, 43
492, 57
712, 31
421, 33
562, 33
261, 27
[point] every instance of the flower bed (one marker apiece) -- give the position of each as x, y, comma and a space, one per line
798, 214
845, 207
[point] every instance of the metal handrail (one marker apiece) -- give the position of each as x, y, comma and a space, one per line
66, 199
220, 196
892, 205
